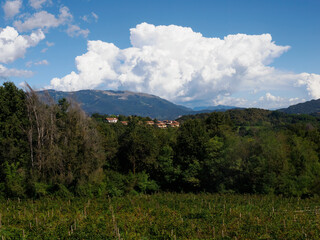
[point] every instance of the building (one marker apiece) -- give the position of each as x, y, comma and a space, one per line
112, 120
167, 121
124, 123
174, 124
150, 122
160, 124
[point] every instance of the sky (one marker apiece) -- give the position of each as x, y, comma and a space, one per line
248, 53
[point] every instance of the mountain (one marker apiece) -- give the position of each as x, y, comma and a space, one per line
218, 108
122, 103
309, 107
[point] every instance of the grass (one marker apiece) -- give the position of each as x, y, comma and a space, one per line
162, 216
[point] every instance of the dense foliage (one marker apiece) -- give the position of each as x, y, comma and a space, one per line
162, 216
50, 148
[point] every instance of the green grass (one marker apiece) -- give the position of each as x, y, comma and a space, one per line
162, 216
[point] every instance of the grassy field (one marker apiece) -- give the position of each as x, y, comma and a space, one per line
162, 216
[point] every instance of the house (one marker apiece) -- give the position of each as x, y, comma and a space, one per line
167, 121
124, 123
175, 124
112, 120
160, 124
150, 122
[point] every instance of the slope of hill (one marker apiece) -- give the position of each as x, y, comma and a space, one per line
218, 108
309, 107
122, 102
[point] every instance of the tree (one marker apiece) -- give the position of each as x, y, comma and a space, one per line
138, 148
65, 144
191, 152
14, 154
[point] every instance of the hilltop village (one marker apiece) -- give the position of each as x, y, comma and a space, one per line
156, 123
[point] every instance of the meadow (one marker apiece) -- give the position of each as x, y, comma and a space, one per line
162, 216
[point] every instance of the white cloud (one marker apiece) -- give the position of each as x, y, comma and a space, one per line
44, 20
183, 66
14, 46
87, 18
29, 64
12, 8
95, 16
229, 101
270, 101
6, 73
49, 44
270, 97
75, 31
312, 83
42, 62
37, 4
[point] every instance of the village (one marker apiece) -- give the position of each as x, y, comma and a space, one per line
159, 124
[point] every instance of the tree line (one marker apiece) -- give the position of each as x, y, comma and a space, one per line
49, 148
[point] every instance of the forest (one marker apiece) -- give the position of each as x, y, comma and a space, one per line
55, 149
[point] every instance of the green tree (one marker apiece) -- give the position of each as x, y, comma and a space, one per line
138, 148
191, 152
14, 151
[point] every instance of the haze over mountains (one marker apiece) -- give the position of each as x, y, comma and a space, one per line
146, 105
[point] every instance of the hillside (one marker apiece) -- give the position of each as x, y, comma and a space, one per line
122, 102
129, 103
309, 107
218, 108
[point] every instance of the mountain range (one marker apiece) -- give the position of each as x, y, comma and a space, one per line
309, 107
127, 103
147, 105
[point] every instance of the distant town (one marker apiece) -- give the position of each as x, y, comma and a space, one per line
159, 124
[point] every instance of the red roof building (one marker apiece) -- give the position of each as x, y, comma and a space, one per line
112, 120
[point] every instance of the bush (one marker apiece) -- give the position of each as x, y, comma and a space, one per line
144, 184
14, 180
60, 190
40, 189
115, 183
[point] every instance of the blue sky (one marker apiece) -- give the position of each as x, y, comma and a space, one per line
260, 53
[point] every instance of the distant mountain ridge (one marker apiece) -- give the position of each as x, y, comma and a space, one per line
122, 103
217, 108
309, 107
128, 103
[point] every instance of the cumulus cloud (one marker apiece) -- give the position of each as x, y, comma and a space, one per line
43, 20
37, 4
227, 100
75, 31
312, 83
270, 97
183, 66
6, 73
14, 46
271, 101
12, 8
